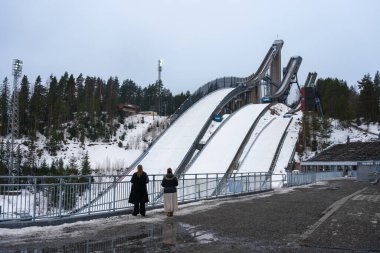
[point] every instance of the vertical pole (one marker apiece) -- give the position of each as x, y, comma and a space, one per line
154, 190
89, 196
195, 186
183, 188
206, 185
35, 198
216, 185
60, 198
234, 183
114, 193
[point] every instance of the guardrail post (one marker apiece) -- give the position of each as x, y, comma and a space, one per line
89, 196
206, 185
195, 186
271, 186
254, 181
154, 191
248, 184
183, 188
234, 183
216, 185
60, 198
35, 198
114, 193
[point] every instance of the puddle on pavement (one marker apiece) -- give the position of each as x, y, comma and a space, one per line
166, 237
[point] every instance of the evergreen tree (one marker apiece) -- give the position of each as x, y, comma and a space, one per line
4, 105
38, 107
70, 99
52, 97
31, 156
72, 168
112, 94
24, 106
86, 167
80, 93
325, 132
368, 99
335, 95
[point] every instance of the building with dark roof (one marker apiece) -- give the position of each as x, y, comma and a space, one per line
360, 157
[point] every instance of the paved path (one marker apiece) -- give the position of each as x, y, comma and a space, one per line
335, 216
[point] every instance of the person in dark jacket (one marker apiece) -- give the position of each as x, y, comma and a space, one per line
170, 183
139, 193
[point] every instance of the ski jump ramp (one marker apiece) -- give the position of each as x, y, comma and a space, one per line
173, 145
220, 150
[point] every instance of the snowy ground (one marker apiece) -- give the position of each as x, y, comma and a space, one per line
340, 135
106, 157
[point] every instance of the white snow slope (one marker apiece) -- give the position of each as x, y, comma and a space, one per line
218, 154
173, 145
261, 154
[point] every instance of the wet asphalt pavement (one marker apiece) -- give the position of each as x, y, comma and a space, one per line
337, 216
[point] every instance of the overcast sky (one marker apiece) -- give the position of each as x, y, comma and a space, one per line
199, 40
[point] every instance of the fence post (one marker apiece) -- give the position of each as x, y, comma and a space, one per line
154, 190
216, 185
60, 198
271, 181
248, 183
89, 196
114, 193
254, 181
206, 185
234, 183
183, 188
195, 186
35, 198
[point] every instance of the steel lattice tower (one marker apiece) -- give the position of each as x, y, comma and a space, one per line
13, 120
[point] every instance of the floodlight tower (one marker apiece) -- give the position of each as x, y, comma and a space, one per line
13, 121
160, 63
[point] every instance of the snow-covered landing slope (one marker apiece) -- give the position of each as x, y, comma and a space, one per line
172, 147
261, 154
218, 154
289, 145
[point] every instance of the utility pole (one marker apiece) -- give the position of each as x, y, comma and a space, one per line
13, 121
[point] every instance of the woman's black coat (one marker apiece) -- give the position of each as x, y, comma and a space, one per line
139, 193
170, 183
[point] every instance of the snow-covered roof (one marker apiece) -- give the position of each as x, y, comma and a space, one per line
351, 153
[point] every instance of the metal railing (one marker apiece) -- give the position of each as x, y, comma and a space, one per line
41, 198
297, 179
47, 198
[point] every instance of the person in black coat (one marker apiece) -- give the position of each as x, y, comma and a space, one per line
170, 183
139, 192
